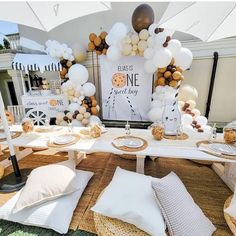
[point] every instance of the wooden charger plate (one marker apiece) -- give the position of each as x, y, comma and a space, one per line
182, 136
218, 155
51, 144
128, 149
231, 222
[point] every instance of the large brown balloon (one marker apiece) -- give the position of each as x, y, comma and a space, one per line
142, 17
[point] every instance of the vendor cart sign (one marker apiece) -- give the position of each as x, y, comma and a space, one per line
126, 89
50, 105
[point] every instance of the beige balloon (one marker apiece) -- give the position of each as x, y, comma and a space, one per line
135, 47
142, 45
126, 49
134, 39
143, 34
133, 53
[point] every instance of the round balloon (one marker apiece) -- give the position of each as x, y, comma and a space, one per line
187, 119
152, 29
201, 120
94, 120
113, 53
162, 58
174, 46
142, 18
118, 30
187, 92
73, 107
148, 53
149, 66
89, 89
78, 74
184, 58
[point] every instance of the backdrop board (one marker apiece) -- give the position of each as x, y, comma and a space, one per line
126, 89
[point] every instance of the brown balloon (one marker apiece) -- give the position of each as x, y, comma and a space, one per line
143, 17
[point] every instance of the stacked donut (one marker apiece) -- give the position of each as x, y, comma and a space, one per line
169, 75
98, 43
66, 64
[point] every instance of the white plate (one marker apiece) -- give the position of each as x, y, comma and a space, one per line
223, 148
64, 139
133, 143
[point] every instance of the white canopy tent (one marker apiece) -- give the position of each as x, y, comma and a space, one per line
208, 21
47, 15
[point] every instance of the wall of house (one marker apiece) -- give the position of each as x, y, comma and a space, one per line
3, 78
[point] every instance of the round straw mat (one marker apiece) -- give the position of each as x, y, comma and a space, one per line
51, 144
128, 149
16, 134
106, 226
218, 155
231, 222
182, 136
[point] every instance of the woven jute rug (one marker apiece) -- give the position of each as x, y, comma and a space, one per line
206, 188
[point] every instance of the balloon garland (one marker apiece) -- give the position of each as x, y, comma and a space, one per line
83, 108
192, 120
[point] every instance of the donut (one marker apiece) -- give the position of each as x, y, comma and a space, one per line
161, 81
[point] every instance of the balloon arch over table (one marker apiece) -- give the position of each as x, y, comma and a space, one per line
163, 55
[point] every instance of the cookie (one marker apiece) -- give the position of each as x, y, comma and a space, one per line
118, 80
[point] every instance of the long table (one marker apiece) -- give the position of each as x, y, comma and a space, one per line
184, 149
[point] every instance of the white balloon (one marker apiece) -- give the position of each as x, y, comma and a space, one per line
174, 46
94, 120
150, 41
155, 114
119, 30
162, 58
73, 106
148, 53
149, 66
196, 112
78, 74
65, 55
109, 39
206, 128
188, 129
156, 103
59, 116
187, 119
89, 89
152, 28
78, 88
76, 123
113, 53
187, 92
201, 120
160, 39
184, 58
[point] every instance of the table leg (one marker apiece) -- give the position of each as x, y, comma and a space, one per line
140, 164
71, 154
226, 173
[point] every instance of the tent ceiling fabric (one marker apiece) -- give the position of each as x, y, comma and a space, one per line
48, 15
35, 62
206, 20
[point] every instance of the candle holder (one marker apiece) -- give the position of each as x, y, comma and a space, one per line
127, 128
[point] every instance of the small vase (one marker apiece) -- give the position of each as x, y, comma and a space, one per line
171, 117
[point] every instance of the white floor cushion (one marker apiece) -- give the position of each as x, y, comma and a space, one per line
129, 197
54, 214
